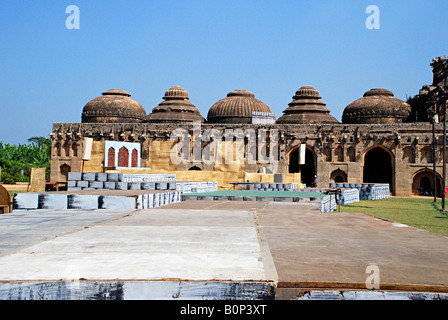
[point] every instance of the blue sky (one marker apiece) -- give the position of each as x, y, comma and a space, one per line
210, 48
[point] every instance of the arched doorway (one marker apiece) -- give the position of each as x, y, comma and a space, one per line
307, 170
65, 169
338, 176
378, 167
423, 183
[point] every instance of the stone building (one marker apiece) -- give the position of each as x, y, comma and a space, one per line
378, 140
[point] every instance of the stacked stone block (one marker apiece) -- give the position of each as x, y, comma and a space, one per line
367, 191
265, 186
35, 201
120, 181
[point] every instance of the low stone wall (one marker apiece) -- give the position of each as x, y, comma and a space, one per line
349, 196
367, 191
119, 181
130, 181
46, 201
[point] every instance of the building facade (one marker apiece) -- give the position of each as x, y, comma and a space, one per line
378, 141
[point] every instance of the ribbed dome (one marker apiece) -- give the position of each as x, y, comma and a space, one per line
306, 108
176, 108
176, 92
114, 106
376, 106
237, 107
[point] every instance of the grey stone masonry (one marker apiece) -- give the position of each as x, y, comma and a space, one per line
35, 201
128, 181
89, 176
136, 177
74, 176
101, 177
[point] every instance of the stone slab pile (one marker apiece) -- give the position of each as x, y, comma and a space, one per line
129, 181
46, 201
367, 191
120, 181
349, 196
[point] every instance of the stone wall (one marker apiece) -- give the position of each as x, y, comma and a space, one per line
337, 148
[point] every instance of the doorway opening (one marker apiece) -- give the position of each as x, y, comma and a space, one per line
378, 167
307, 170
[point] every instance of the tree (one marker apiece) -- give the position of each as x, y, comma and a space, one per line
40, 141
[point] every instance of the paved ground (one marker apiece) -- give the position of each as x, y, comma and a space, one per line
214, 249
333, 250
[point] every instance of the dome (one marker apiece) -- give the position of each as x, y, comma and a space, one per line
376, 106
237, 107
175, 108
114, 106
306, 108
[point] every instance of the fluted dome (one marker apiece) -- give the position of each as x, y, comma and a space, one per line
176, 108
237, 107
114, 106
306, 108
376, 106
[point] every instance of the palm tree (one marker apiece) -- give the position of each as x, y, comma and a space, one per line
40, 141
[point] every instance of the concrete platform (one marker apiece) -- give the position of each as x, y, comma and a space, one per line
216, 250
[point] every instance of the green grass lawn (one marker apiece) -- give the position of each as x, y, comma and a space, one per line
416, 212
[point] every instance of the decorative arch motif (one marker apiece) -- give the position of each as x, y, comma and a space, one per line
123, 157
351, 154
423, 183
426, 155
134, 158
111, 157
327, 154
338, 176
64, 170
339, 154
75, 149
122, 154
408, 155
57, 149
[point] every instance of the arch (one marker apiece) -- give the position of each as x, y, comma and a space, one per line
57, 149
308, 170
379, 166
351, 154
339, 154
423, 183
426, 155
123, 157
338, 175
134, 158
75, 148
67, 149
327, 154
195, 168
111, 157
65, 169
408, 154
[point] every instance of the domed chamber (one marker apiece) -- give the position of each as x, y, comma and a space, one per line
176, 108
306, 108
114, 106
377, 106
237, 107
